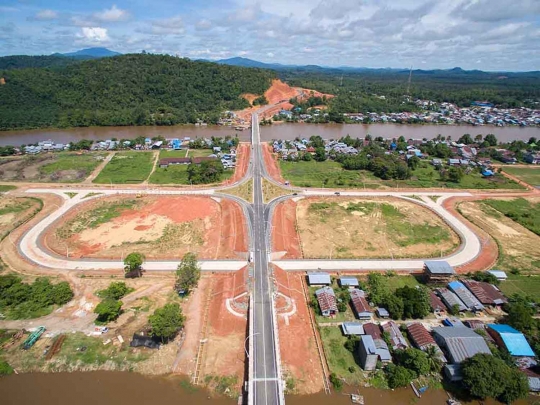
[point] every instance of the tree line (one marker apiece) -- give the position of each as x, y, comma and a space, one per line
132, 89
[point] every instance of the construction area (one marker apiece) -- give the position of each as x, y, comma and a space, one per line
354, 228
160, 227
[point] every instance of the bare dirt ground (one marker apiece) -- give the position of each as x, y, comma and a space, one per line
284, 236
489, 253
337, 232
278, 95
298, 349
14, 211
242, 163
519, 246
271, 163
158, 226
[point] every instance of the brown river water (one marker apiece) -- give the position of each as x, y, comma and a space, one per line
118, 388
276, 131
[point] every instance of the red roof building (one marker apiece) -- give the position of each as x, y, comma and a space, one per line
486, 293
420, 336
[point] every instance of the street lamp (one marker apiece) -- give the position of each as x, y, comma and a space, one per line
253, 334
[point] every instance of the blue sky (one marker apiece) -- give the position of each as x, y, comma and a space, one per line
425, 34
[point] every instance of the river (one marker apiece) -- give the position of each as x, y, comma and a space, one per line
118, 388
276, 131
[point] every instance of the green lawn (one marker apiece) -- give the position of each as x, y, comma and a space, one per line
127, 168
330, 174
395, 282
6, 188
166, 153
530, 175
522, 211
326, 174
177, 174
339, 358
529, 285
85, 164
200, 152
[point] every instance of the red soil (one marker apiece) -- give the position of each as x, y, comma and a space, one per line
226, 238
225, 354
299, 355
489, 253
285, 238
242, 163
271, 163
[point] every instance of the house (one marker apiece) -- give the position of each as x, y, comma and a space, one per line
373, 330
470, 301
166, 162
436, 162
157, 144
352, 328
513, 340
360, 305
453, 372
460, 343
501, 275
382, 313
454, 162
327, 301
176, 145
397, 340
453, 323
532, 158
350, 282
367, 353
486, 293
319, 279
450, 299
419, 336
438, 271
435, 302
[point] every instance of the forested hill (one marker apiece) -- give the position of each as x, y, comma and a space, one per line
23, 61
136, 89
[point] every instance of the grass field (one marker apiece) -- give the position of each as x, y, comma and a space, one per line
172, 153
395, 282
330, 174
126, 168
517, 284
524, 212
530, 175
5, 188
84, 164
177, 174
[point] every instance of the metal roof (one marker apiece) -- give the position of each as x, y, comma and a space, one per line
486, 293
499, 274
352, 328
461, 343
435, 302
326, 299
382, 312
369, 344
419, 335
396, 337
349, 281
382, 350
319, 278
439, 267
373, 330
514, 340
465, 295
450, 299
359, 303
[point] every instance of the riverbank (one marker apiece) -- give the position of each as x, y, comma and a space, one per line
286, 131
134, 389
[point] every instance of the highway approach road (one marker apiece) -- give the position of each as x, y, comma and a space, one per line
265, 385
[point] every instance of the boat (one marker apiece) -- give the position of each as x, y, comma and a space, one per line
357, 399
452, 402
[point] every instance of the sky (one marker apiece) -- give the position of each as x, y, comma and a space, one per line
489, 35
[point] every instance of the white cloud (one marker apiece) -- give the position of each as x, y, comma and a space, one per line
270, 54
113, 14
44, 15
203, 24
167, 26
94, 34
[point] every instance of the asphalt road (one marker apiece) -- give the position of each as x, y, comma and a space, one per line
265, 379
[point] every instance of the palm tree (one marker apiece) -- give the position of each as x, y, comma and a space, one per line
434, 360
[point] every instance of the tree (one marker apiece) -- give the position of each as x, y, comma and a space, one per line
415, 301
520, 316
466, 139
108, 310
394, 305
307, 157
320, 154
61, 293
378, 290
188, 273
115, 291
478, 138
413, 359
398, 376
413, 162
166, 321
133, 263
491, 140
336, 382
434, 359
352, 343
487, 376
455, 174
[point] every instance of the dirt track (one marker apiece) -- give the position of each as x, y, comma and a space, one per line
271, 163
158, 226
298, 349
242, 163
284, 235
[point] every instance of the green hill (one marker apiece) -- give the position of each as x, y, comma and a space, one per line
136, 89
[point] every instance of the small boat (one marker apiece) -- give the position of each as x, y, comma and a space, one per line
452, 402
357, 399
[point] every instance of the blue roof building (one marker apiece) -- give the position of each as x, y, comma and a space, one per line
470, 301
319, 279
348, 282
513, 340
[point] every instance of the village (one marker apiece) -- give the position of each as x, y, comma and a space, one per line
463, 317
